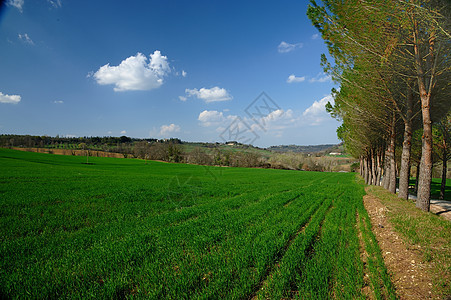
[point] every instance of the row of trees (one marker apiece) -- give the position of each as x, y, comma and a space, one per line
122, 144
392, 61
238, 158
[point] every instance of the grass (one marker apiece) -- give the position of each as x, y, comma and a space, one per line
435, 188
120, 228
428, 231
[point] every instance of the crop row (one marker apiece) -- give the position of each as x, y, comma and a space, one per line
120, 228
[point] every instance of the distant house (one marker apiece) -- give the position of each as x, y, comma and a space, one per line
232, 143
335, 153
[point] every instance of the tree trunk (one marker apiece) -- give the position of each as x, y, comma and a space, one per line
391, 149
417, 178
404, 173
386, 181
379, 169
425, 178
373, 168
365, 170
370, 174
444, 170
361, 166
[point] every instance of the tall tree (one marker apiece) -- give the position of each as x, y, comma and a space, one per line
390, 47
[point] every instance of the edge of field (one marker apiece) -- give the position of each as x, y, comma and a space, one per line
416, 246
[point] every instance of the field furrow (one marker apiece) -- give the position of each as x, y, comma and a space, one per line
122, 229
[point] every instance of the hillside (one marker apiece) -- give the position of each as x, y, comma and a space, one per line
302, 149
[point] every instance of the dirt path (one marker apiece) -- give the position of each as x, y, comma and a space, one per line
441, 208
408, 273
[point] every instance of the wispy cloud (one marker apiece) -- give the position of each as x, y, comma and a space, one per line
285, 47
12, 99
16, 3
25, 39
166, 130
315, 36
321, 77
124, 132
316, 113
135, 73
58, 101
184, 73
215, 94
55, 3
292, 78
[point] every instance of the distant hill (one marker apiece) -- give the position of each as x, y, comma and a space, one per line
303, 149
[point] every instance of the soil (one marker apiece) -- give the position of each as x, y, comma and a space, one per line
404, 263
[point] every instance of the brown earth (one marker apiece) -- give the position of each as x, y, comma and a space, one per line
71, 152
408, 272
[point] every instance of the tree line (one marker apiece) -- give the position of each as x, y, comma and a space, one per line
391, 59
175, 150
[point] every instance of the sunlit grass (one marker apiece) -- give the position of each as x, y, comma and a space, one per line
122, 228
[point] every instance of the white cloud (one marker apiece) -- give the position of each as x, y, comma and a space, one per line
275, 121
169, 129
315, 36
26, 39
135, 73
182, 98
285, 47
13, 99
17, 4
124, 132
214, 94
184, 73
293, 78
316, 113
55, 3
109, 132
278, 120
58, 101
209, 118
321, 77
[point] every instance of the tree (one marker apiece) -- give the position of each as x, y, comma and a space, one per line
443, 140
380, 50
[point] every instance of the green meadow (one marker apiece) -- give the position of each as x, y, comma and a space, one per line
121, 228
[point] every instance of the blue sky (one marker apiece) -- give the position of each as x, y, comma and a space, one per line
161, 69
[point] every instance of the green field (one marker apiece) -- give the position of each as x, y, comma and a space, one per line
119, 228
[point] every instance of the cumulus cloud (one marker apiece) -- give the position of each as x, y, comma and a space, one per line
12, 99
182, 98
209, 118
293, 78
165, 130
26, 39
16, 3
285, 47
321, 77
184, 73
276, 120
58, 101
316, 113
215, 94
135, 73
124, 132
